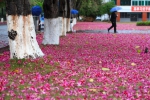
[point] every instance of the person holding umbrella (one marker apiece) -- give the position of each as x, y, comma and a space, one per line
113, 21
113, 18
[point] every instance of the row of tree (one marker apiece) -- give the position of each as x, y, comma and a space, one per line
87, 8
21, 29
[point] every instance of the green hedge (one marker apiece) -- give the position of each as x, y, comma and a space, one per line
143, 23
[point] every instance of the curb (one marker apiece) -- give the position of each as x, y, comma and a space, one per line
3, 49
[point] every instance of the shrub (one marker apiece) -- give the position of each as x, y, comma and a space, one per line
143, 23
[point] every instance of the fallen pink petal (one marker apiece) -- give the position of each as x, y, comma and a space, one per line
84, 66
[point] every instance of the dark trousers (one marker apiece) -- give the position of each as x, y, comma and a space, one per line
113, 25
39, 25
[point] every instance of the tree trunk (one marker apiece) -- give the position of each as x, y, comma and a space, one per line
74, 21
78, 4
73, 6
68, 16
21, 30
2, 12
62, 15
51, 28
62, 26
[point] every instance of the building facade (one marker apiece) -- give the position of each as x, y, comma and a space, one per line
133, 10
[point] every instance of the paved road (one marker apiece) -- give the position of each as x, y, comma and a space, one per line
111, 31
3, 36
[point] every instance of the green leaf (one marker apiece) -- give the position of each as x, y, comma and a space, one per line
138, 51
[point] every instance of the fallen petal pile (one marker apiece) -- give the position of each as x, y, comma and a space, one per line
83, 67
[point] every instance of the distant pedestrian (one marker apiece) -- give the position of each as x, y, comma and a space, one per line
113, 21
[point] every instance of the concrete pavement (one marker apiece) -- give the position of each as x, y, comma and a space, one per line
111, 31
3, 36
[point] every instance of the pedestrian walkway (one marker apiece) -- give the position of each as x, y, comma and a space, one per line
119, 31
3, 36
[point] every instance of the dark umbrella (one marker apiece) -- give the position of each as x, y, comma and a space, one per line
115, 9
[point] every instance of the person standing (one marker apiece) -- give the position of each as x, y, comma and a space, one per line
113, 21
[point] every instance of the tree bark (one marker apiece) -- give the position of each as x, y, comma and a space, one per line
62, 17
78, 4
51, 28
2, 12
73, 16
68, 15
21, 30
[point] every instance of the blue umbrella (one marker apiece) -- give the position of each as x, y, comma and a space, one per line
36, 10
115, 9
74, 11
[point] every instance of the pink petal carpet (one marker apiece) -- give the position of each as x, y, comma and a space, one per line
83, 67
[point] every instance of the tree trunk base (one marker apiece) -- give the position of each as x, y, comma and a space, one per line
68, 25
22, 37
62, 23
51, 31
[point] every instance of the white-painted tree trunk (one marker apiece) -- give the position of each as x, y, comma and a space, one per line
68, 25
72, 24
64, 27
74, 21
51, 31
25, 44
62, 23
71, 27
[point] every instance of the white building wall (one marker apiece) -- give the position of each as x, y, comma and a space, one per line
125, 9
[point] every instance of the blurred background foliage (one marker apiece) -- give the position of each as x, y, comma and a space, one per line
87, 8
36, 3
2, 4
93, 8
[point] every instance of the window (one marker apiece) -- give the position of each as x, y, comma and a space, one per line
147, 2
135, 3
125, 15
122, 15
131, 15
148, 15
140, 15
115, 2
125, 2
141, 3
